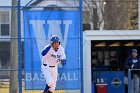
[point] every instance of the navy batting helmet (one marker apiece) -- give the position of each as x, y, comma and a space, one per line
55, 39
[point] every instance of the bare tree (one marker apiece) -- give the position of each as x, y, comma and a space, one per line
100, 13
113, 14
96, 9
119, 13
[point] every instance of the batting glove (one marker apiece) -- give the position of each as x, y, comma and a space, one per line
63, 61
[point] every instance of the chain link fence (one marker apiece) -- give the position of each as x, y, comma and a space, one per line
11, 56
8, 49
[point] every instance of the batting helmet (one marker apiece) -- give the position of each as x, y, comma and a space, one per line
55, 39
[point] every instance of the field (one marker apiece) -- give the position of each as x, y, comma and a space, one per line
4, 88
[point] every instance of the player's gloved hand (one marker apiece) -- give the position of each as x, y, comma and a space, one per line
63, 61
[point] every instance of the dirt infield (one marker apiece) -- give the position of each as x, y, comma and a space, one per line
6, 90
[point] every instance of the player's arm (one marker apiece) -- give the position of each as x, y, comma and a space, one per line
63, 57
45, 50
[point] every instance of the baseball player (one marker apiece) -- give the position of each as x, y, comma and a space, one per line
53, 54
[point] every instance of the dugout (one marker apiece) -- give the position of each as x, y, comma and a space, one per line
104, 56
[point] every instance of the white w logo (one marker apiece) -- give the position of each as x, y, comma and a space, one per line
53, 29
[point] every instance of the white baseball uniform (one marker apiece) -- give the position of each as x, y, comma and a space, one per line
50, 64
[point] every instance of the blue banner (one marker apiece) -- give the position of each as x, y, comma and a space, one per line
39, 26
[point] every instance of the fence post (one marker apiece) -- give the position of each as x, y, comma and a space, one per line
19, 50
129, 81
81, 45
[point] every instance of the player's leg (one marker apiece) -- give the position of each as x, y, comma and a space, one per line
48, 77
51, 89
50, 92
54, 75
46, 89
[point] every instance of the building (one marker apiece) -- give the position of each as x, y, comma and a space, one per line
5, 33
108, 50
